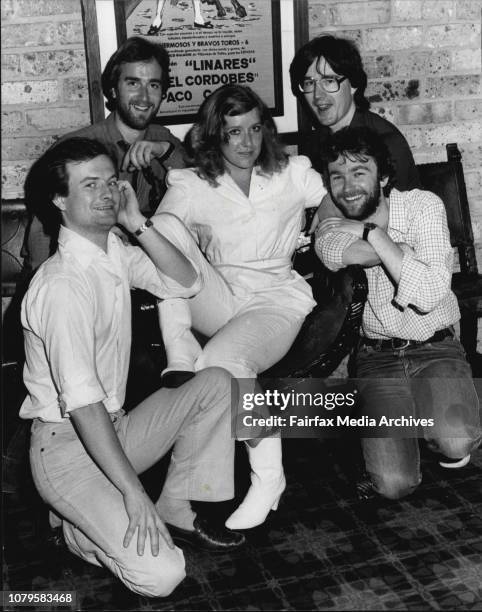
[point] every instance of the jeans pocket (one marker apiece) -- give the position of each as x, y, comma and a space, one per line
450, 345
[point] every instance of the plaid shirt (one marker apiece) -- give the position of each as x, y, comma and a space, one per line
423, 301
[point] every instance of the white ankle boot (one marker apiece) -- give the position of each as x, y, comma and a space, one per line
267, 484
182, 348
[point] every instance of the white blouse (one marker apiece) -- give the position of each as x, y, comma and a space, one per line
249, 239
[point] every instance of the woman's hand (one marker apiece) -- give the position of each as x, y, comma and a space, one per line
326, 209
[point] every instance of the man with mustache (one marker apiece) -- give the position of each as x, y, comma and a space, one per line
134, 81
408, 360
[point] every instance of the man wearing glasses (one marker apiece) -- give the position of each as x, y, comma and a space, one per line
327, 76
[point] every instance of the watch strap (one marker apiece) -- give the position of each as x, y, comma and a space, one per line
367, 228
146, 225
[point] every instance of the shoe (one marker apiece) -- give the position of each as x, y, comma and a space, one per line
365, 490
207, 537
153, 30
175, 378
454, 463
208, 25
267, 484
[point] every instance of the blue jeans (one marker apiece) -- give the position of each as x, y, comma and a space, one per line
426, 380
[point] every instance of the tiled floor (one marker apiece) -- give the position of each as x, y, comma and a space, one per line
322, 550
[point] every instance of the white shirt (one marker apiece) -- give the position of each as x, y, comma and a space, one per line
423, 302
249, 239
76, 317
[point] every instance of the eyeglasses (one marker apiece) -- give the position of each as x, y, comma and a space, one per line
328, 84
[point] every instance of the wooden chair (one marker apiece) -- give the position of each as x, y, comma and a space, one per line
446, 179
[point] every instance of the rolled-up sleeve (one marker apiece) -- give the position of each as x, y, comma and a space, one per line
177, 199
331, 246
66, 324
426, 271
143, 274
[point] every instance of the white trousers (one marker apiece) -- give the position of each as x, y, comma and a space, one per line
247, 334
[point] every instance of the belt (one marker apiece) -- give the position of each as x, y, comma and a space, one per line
397, 344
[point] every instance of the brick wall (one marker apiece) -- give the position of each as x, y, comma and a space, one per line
423, 60
44, 81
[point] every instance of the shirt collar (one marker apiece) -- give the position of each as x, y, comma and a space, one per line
258, 179
85, 251
112, 129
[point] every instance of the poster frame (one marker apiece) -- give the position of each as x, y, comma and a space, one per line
121, 9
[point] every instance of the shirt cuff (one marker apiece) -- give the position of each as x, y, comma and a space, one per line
409, 284
80, 395
331, 246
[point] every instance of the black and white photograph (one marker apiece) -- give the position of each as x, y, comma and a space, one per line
241, 362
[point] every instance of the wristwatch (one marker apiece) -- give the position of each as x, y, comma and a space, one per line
146, 225
367, 228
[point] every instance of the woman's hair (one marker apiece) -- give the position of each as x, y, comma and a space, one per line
344, 59
134, 49
204, 139
359, 143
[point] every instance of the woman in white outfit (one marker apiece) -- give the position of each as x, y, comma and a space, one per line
243, 203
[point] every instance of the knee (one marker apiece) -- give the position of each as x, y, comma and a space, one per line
237, 367
395, 486
216, 377
215, 385
161, 579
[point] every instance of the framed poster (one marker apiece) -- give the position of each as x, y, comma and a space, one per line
210, 43
301, 30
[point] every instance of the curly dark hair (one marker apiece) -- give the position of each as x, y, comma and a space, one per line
359, 143
202, 142
344, 58
49, 177
134, 49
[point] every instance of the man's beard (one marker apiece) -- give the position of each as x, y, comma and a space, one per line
133, 121
369, 207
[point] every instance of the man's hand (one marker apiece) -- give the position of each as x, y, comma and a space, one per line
96, 432
144, 519
335, 224
141, 153
128, 214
